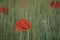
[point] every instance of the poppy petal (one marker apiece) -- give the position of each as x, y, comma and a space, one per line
27, 22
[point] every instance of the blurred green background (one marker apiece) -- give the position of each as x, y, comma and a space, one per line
45, 20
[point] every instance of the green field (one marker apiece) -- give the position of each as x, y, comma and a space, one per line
45, 20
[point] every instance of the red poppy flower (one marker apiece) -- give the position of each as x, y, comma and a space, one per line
23, 25
52, 4
57, 5
4, 10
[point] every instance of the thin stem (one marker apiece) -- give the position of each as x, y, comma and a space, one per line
28, 35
